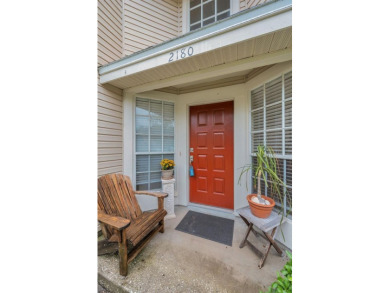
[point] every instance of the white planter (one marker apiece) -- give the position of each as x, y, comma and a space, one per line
167, 174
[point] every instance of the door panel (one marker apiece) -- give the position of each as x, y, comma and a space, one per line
211, 137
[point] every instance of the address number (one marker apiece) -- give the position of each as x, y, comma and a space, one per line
181, 54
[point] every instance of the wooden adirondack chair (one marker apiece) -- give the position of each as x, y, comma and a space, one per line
124, 225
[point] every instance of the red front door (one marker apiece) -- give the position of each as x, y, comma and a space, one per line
211, 138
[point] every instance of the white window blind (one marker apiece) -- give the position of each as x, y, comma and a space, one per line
154, 140
204, 12
271, 125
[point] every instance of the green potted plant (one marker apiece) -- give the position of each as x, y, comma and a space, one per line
261, 206
167, 169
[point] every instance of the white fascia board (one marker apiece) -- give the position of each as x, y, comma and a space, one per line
254, 23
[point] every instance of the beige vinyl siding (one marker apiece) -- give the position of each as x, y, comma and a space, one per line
110, 150
180, 18
110, 36
147, 23
110, 48
244, 4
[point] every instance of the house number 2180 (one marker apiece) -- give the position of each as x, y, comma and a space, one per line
181, 54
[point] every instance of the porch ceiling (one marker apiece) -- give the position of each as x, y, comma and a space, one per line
257, 38
215, 82
251, 48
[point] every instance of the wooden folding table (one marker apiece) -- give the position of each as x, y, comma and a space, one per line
265, 225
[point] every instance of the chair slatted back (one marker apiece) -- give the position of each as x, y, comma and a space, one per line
116, 197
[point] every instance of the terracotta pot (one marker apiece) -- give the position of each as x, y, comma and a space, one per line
260, 210
167, 174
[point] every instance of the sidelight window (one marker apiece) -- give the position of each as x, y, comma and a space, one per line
271, 124
154, 140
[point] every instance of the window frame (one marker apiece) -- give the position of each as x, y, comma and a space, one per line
215, 15
150, 153
284, 157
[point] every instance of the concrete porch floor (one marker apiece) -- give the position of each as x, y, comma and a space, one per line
179, 262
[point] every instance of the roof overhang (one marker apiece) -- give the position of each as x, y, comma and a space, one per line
264, 31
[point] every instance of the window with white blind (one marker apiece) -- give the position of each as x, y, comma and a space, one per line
154, 140
204, 12
271, 125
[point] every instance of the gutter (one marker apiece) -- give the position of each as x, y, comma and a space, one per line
238, 20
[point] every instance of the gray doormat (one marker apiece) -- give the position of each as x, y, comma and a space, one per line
208, 227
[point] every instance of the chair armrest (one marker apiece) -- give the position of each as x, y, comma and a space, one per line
115, 222
155, 194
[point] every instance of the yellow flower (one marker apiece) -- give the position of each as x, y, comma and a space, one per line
167, 164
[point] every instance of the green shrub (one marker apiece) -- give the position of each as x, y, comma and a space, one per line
283, 283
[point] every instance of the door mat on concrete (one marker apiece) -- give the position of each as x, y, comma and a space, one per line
208, 227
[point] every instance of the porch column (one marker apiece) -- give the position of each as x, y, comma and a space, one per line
127, 120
